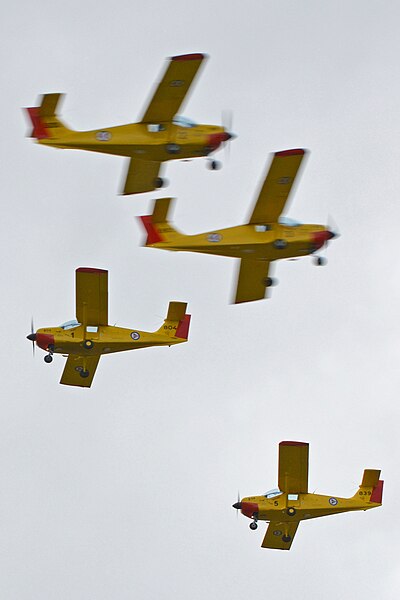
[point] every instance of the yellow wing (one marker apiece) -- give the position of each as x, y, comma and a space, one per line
252, 280
76, 365
293, 467
277, 532
277, 185
141, 176
91, 296
173, 87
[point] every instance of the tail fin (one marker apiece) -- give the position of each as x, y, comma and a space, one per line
371, 487
157, 226
176, 323
44, 120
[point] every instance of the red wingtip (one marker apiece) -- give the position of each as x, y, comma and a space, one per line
189, 57
183, 328
90, 270
40, 132
293, 152
293, 443
377, 493
153, 237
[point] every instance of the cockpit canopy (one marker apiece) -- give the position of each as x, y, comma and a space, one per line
183, 121
272, 493
288, 222
70, 324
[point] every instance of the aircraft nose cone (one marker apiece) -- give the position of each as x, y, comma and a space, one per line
231, 136
237, 505
332, 235
31, 337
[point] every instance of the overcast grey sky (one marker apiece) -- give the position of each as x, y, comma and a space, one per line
125, 490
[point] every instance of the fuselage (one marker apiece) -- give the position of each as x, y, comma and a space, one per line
306, 506
105, 340
265, 242
159, 142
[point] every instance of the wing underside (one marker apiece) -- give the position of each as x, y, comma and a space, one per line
92, 296
172, 89
277, 186
279, 535
76, 365
293, 467
252, 280
141, 176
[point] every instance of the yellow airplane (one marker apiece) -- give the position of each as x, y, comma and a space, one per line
87, 338
267, 236
285, 507
160, 135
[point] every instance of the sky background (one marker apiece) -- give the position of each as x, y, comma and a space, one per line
125, 490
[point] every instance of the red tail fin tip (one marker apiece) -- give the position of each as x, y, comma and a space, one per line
153, 237
377, 493
183, 328
39, 130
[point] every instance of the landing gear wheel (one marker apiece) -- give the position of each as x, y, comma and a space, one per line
88, 344
159, 182
291, 511
48, 358
269, 282
214, 165
84, 374
253, 525
320, 261
286, 538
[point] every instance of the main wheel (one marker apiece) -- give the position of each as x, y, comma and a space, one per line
320, 261
286, 538
253, 525
269, 281
159, 182
214, 165
88, 344
84, 374
48, 358
291, 511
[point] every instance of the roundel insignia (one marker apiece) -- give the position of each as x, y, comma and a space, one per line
103, 136
333, 501
277, 532
214, 237
135, 335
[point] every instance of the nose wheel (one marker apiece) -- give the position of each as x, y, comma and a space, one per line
214, 165
48, 358
320, 261
253, 526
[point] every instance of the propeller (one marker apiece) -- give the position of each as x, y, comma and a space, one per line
237, 505
32, 337
227, 120
332, 230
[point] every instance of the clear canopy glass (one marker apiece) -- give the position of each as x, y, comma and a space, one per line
70, 324
272, 493
288, 222
183, 121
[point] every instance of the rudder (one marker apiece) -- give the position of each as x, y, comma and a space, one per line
44, 117
177, 322
157, 227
